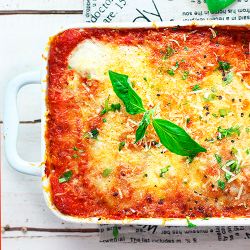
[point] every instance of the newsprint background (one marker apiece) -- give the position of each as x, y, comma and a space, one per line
108, 11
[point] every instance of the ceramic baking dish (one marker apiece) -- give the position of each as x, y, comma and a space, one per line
11, 121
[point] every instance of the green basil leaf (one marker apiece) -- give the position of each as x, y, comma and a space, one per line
115, 231
123, 89
121, 145
106, 172
185, 75
94, 133
164, 170
227, 176
216, 5
190, 224
218, 158
210, 98
224, 65
229, 78
221, 184
65, 176
196, 88
176, 139
140, 132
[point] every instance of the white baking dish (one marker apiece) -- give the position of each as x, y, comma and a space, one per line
11, 122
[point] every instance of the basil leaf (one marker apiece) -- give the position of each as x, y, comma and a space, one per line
140, 132
94, 133
221, 184
228, 79
185, 75
65, 176
106, 172
176, 139
210, 98
196, 88
224, 65
216, 5
190, 224
227, 176
218, 158
121, 145
170, 51
123, 89
115, 231
164, 170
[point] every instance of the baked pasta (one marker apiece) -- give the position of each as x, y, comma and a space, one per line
149, 123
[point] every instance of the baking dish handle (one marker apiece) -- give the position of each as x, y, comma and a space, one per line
11, 124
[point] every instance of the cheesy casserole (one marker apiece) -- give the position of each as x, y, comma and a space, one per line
196, 81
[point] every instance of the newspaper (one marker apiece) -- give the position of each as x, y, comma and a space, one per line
179, 235
107, 11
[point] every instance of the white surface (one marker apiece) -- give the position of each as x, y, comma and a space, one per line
22, 41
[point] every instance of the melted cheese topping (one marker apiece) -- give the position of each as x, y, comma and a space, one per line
134, 187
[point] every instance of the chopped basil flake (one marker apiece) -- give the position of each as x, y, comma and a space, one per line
115, 107
162, 198
133, 84
145, 175
94, 133
81, 151
121, 145
185, 103
190, 224
145, 79
244, 41
75, 156
223, 112
227, 79
115, 231
176, 65
164, 58
223, 132
204, 218
104, 120
170, 72
186, 49
200, 117
227, 176
164, 170
106, 172
214, 89
89, 76
191, 158
235, 151
247, 130
196, 88
65, 176
75, 148
185, 75
187, 121
210, 98
218, 158
224, 65
152, 86
170, 51
182, 60
69, 67
216, 116
221, 184
247, 151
